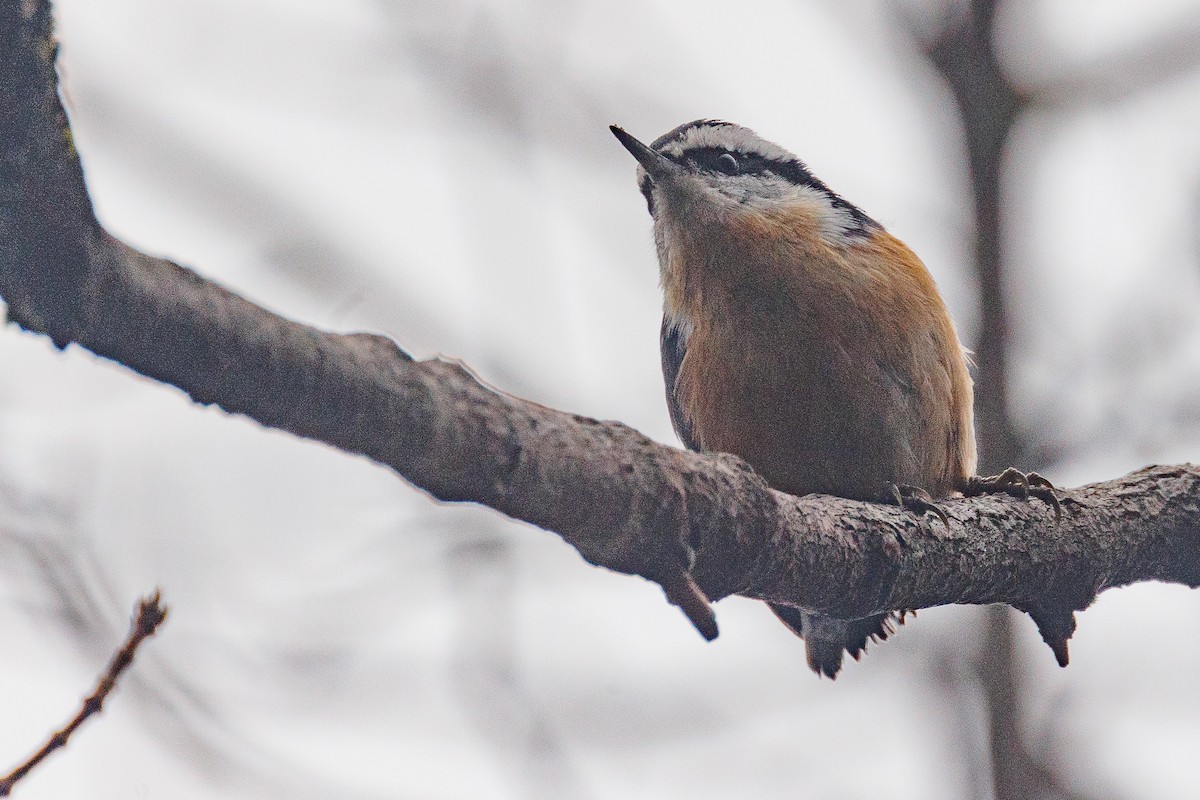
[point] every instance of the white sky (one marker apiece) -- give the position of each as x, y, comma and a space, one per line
442, 172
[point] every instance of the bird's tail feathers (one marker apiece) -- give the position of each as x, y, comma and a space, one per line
826, 639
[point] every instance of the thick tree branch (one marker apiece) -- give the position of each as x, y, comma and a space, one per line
625, 502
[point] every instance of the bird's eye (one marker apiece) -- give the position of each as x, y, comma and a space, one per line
728, 163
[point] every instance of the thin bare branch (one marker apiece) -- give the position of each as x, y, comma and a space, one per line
148, 615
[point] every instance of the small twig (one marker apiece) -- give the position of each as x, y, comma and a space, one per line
148, 616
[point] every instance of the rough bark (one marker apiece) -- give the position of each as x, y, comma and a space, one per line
703, 526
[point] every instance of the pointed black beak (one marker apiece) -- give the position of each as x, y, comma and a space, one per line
656, 164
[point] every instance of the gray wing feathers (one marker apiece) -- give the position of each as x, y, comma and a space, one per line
673, 343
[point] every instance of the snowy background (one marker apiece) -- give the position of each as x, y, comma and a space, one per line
441, 171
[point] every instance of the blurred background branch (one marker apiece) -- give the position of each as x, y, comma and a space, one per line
962, 46
963, 53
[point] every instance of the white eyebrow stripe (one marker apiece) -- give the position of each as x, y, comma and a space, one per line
728, 137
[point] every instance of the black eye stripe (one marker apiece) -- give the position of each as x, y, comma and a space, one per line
791, 170
710, 159
729, 164
718, 159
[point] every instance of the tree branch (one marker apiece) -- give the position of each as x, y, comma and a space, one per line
702, 526
148, 615
989, 106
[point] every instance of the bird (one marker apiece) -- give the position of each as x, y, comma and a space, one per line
801, 336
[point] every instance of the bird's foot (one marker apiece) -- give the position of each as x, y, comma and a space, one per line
918, 501
1018, 484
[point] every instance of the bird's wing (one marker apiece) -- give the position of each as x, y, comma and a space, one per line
673, 342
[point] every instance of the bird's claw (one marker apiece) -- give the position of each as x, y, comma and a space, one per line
1017, 484
919, 501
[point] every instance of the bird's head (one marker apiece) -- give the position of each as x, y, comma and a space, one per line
708, 172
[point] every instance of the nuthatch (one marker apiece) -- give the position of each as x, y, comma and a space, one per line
801, 336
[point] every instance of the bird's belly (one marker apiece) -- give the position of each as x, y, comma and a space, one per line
817, 421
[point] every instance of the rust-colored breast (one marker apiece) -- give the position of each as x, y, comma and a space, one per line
830, 369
